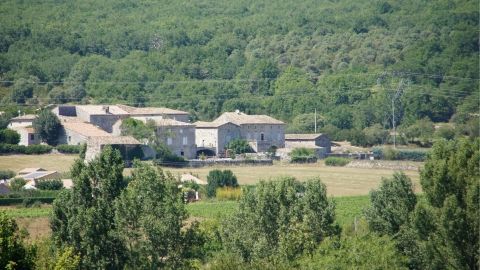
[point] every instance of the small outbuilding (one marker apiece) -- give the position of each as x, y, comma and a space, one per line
308, 141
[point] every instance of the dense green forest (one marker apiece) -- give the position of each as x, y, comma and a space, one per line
344, 58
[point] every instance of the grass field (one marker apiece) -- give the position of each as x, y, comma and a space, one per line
56, 162
340, 181
35, 220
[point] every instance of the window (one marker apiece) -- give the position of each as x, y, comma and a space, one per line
181, 131
32, 137
185, 140
69, 138
182, 154
262, 137
169, 141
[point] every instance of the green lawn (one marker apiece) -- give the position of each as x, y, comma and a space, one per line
347, 209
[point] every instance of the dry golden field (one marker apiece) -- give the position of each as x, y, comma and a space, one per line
340, 181
56, 162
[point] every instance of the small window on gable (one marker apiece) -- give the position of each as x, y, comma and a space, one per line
32, 137
69, 138
262, 137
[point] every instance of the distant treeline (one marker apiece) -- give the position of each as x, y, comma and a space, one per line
284, 58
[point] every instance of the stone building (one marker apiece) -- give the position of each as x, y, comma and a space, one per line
105, 116
123, 143
178, 136
22, 121
76, 133
260, 131
28, 136
308, 141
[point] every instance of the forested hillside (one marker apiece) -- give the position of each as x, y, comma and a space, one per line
344, 58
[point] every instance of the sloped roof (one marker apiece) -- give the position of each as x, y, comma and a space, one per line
164, 122
30, 170
28, 129
85, 129
190, 178
303, 136
107, 140
101, 109
24, 117
36, 175
240, 118
149, 110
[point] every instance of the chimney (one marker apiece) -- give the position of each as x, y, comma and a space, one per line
106, 109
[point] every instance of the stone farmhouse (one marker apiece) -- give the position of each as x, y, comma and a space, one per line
261, 132
178, 136
308, 141
23, 126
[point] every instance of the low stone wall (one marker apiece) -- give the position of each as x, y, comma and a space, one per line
228, 161
385, 164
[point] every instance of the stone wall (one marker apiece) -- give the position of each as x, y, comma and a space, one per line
179, 139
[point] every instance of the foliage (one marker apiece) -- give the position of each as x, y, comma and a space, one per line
239, 146
149, 216
9, 136
361, 252
54, 184
67, 260
138, 129
228, 194
22, 149
445, 132
17, 184
391, 205
282, 218
14, 253
83, 218
422, 129
302, 155
389, 153
69, 149
305, 123
447, 225
217, 179
48, 126
6, 174
336, 161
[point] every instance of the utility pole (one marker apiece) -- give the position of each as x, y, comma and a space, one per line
315, 121
397, 95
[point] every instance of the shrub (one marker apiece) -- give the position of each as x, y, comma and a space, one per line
22, 149
239, 146
54, 184
445, 132
17, 184
17, 201
302, 155
218, 178
48, 126
336, 161
229, 194
7, 174
403, 154
9, 136
69, 149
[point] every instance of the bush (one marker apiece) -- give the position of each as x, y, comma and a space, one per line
54, 184
69, 149
7, 174
302, 155
217, 179
9, 136
22, 149
17, 184
445, 132
239, 146
403, 154
229, 194
17, 201
336, 161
